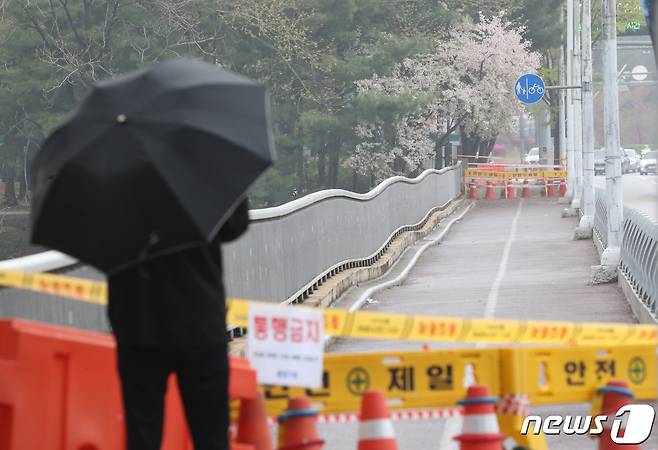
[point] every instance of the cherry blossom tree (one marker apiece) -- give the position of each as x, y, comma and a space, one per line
465, 82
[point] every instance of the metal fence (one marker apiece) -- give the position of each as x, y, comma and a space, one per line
639, 250
287, 250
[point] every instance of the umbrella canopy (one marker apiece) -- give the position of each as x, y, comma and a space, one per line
150, 162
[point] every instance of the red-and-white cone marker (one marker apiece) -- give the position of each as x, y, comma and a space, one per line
297, 426
526, 190
474, 190
490, 191
375, 425
480, 430
615, 395
253, 426
563, 187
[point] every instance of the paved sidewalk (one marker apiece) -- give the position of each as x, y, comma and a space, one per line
505, 259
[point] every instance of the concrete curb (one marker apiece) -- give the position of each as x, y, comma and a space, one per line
405, 273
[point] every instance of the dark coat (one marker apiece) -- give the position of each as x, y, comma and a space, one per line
177, 300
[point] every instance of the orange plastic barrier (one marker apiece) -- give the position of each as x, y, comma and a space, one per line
59, 390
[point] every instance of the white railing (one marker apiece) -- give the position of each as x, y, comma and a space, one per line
639, 250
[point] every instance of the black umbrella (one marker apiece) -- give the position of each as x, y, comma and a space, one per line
150, 163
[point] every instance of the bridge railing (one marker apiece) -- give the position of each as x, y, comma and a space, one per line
639, 250
287, 251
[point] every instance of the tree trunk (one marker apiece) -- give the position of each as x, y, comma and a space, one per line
22, 188
9, 178
438, 154
322, 165
334, 157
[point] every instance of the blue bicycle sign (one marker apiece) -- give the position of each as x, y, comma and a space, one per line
529, 88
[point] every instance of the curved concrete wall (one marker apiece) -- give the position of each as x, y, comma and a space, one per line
286, 249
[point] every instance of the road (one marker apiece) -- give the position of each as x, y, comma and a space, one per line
506, 259
640, 192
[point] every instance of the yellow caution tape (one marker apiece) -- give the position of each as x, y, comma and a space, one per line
520, 174
80, 289
371, 325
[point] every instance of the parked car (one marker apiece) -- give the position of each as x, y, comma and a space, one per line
634, 160
599, 162
648, 162
532, 157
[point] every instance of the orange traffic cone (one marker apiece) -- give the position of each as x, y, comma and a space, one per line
511, 190
480, 430
550, 190
490, 191
297, 430
474, 190
615, 395
526, 189
375, 426
563, 187
253, 428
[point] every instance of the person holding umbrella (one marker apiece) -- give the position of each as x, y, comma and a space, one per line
144, 181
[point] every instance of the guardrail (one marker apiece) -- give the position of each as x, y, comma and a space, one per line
287, 252
639, 250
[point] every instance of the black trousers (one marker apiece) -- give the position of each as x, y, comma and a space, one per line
203, 383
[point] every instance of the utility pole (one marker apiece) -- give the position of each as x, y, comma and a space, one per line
562, 122
613, 182
578, 117
571, 171
584, 230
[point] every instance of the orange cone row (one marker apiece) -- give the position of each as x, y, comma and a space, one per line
552, 188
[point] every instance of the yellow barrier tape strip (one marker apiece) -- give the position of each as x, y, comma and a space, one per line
372, 325
521, 174
80, 289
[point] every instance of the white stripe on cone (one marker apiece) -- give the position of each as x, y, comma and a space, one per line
376, 429
480, 424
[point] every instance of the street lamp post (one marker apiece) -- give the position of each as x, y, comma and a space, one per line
584, 230
613, 177
577, 102
571, 174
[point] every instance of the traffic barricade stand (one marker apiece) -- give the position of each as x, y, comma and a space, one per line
514, 403
58, 385
63, 382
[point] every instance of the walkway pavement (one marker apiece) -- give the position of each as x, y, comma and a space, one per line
505, 259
